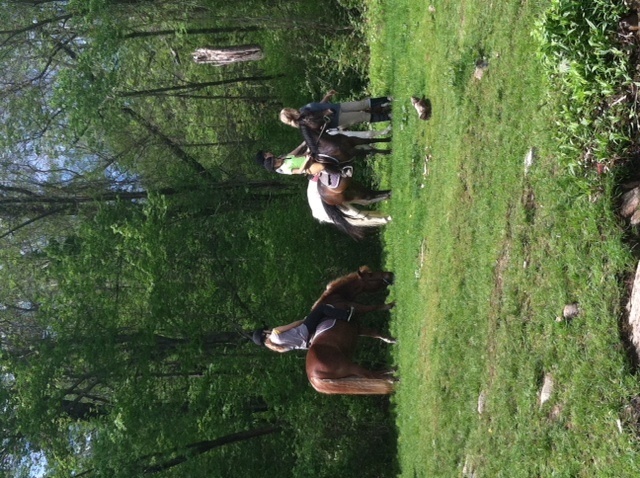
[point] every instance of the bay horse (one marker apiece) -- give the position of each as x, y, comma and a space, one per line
335, 206
339, 148
329, 364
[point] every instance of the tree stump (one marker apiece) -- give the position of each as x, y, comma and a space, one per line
630, 207
633, 307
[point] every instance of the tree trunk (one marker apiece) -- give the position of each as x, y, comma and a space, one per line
192, 31
198, 448
196, 86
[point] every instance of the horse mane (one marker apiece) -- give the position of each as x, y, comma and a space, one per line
336, 284
318, 141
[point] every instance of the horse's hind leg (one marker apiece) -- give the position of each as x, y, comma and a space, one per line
364, 308
364, 218
361, 151
374, 197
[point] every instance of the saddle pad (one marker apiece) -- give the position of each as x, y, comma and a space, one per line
323, 327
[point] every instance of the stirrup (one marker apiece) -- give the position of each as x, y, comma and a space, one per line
347, 172
351, 311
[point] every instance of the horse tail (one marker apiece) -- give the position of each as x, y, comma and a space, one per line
352, 385
338, 218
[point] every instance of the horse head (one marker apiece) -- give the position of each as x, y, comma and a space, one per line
374, 280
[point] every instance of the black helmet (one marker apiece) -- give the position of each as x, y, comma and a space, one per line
267, 163
258, 336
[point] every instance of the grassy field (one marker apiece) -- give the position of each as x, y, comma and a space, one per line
488, 252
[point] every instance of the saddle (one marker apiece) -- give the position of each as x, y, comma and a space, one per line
329, 322
332, 179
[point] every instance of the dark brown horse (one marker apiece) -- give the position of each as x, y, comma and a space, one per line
329, 364
338, 148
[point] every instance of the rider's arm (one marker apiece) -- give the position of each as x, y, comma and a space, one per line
300, 150
284, 328
310, 166
275, 347
328, 96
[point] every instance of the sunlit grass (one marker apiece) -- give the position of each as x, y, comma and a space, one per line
486, 255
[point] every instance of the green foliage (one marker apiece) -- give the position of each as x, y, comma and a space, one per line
329, 449
587, 62
131, 278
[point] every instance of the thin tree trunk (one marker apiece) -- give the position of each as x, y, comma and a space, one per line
219, 143
192, 31
175, 149
32, 26
31, 221
195, 449
196, 86
192, 450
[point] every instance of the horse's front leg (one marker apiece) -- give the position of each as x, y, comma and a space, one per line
379, 151
374, 334
363, 309
360, 142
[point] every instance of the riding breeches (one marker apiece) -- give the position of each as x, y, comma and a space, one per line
324, 312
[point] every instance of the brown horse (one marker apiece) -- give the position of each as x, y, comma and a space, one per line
329, 364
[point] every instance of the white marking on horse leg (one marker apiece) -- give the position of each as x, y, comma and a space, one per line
372, 200
368, 221
360, 134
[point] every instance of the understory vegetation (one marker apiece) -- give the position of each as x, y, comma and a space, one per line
141, 244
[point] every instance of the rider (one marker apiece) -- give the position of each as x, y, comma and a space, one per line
334, 115
298, 334
297, 163
324, 116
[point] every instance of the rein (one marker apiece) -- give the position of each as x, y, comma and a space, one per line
324, 127
330, 158
327, 120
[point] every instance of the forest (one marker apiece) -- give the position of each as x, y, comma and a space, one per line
140, 242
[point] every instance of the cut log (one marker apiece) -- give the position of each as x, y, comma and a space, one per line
227, 55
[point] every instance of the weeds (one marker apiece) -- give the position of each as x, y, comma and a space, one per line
591, 81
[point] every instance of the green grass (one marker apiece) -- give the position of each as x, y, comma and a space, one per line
486, 256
